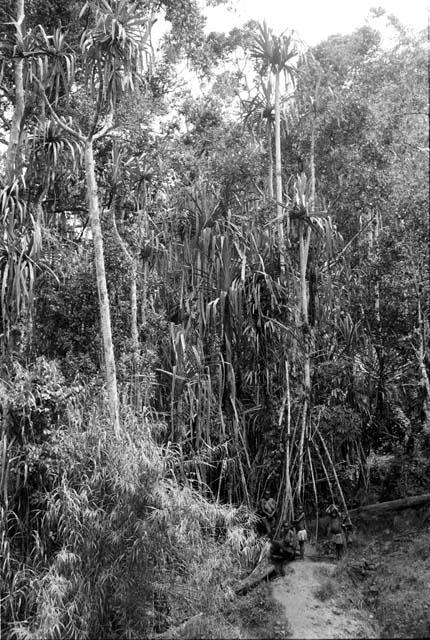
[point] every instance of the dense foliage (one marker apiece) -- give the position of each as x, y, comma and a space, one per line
245, 270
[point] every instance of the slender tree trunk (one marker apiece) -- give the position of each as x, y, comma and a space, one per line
287, 502
313, 127
144, 293
133, 305
105, 321
301, 447
132, 263
288, 492
11, 165
307, 333
134, 332
12, 168
314, 485
270, 158
278, 172
312, 202
303, 253
336, 477
137, 393
303, 283
422, 357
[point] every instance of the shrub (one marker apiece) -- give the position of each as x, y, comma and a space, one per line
112, 546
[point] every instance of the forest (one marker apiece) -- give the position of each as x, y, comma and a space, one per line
214, 280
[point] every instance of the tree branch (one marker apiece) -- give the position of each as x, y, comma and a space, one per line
56, 117
120, 241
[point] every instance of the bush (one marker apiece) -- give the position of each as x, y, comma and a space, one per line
111, 546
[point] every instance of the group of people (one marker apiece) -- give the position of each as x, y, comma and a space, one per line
293, 534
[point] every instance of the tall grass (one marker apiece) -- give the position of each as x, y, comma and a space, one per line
102, 541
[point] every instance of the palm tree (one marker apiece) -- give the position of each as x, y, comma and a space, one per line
113, 57
20, 240
276, 54
261, 110
18, 114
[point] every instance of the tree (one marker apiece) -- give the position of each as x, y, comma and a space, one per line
112, 57
276, 53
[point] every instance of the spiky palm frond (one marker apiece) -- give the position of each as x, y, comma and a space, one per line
51, 143
51, 61
274, 52
260, 108
115, 47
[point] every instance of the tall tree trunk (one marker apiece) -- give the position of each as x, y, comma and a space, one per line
132, 263
105, 321
270, 159
288, 449
14, 310
133, 305
278, 172
11, 165
287, 502
132, 259
137, 393
422, 357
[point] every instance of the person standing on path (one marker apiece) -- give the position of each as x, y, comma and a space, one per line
268, 511
335, 530
302, 536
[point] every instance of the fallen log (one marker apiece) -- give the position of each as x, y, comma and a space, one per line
392, 505
264, 568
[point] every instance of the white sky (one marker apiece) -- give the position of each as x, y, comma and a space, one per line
315, 20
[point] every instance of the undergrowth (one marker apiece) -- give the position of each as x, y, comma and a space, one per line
99, 539
258, 614
391, 577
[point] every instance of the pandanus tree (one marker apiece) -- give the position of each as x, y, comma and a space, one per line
276, 55
112, 59
130, 180
17, 249
260, 113
229, 307
310, 237
34, 146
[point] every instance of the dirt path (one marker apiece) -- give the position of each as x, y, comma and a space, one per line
309, 616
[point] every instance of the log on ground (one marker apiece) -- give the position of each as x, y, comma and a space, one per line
264, 569
392, 505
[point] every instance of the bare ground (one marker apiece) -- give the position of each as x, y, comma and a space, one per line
299, 593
